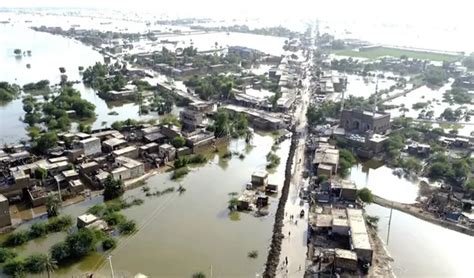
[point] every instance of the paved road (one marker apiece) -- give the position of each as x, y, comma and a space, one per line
294, 245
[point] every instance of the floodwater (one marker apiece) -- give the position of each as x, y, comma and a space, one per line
382, 182
50, 52
359, 86
422, 249
183, 234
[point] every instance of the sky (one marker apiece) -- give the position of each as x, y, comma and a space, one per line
397, 11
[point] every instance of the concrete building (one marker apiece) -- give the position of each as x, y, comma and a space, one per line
86, 220
358, 121
259, 178
91, 146
113, 144
167, 152
128, 169
5, 219
191, 118
359, 237
130, 151
326, 156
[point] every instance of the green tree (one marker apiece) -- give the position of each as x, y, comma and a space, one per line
81, 243
53, 205
15, 267
113, 188
16, 238
199, 275
40, 263
440, 170
127, 227
38, 229
178, 142
60, 251
45, 142
109, 243
365, 195
6, 254
221, 124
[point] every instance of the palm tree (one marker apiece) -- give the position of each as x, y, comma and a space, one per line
50, 265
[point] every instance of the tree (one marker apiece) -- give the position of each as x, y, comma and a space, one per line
440, 170
112, 188
365, 195
45, 142
53, 204
40, 263
6, 254
81, 243
38, 229
15, 267
17, 51
109, 243
199, 275
60, 251
221, 125
178, 142
127, 227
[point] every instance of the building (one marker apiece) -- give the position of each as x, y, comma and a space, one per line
326, 156
359, 237
167, 152
129, 151
259, 119
76, 186
345, 259
5, 219
191, 118
86, 220
259, 178
358, 121
91, 146
113, 144
348, 191
128, 169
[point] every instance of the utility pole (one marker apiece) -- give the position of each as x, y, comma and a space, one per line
59, 192
111, 268
389, 223
211, 270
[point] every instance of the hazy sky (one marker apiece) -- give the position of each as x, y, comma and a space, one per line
399, 11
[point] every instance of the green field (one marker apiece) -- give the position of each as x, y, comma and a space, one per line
378, 52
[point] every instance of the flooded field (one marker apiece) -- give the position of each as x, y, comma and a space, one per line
183, 234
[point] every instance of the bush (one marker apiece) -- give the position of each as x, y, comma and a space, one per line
127, 227
178, 173
96, 209
6, 254
197, 159
113, 218
253, 254
38, 229
81, 243
16, 239
178, 142
59, 224
15, 267
60, 251
109, 243
36, 263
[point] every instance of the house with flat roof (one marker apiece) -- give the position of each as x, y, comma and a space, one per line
359, 237
91, 146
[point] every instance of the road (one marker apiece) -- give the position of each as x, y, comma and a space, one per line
294, 245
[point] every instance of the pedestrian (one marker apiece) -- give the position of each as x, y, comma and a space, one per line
286, 260
289, 233
296, 222
300, 268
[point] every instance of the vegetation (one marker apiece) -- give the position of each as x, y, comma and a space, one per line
178, 142
15, 267
16, 239
346, 160
435, 76
109, 243
41, 86
127, 227
113, 188
8, 91
217, 87
53, 205
95, 76
365, 195
454, 171
199, 275
273, 160
6, 254
180, 172
378, 52
253, 254
458, 96
469, 62
40, 263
